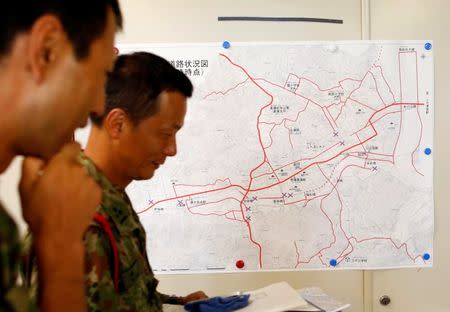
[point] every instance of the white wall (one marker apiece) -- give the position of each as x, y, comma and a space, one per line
196, 20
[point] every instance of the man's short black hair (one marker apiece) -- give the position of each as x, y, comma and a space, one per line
136, 82
83, 20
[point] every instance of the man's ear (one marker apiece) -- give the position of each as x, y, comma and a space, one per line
47, 40
115, 122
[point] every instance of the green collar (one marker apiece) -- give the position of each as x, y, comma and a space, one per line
115, 203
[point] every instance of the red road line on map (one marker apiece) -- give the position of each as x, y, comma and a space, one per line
271, 139
418, 143
192, 194
289, 135
384, 78
420, 119
225, 92
376, 87
362, 104
400, 77
381, 117
298, 254
393, 243
205, 185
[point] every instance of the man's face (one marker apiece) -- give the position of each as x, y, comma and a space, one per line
144, 147
74, 89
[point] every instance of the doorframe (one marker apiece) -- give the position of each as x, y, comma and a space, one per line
367, 275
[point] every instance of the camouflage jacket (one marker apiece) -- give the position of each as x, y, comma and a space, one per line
137, 284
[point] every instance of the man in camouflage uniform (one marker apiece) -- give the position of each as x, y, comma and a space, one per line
145, 107
45, 48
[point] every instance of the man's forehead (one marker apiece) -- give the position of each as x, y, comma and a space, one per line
164, 121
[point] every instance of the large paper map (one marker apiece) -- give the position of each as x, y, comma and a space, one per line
296, 156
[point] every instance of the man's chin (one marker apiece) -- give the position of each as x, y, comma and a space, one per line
52, 149
146, 176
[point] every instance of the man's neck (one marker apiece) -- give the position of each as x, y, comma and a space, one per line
97, 150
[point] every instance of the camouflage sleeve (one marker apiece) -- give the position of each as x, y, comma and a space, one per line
29, 270
100, 291
9, 260
28, 265
167, 299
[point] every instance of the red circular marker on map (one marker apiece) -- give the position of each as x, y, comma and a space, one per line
240, 264
116, 51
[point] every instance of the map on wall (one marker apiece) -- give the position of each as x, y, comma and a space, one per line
296, 156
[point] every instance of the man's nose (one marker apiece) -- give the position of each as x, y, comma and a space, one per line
171, 148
